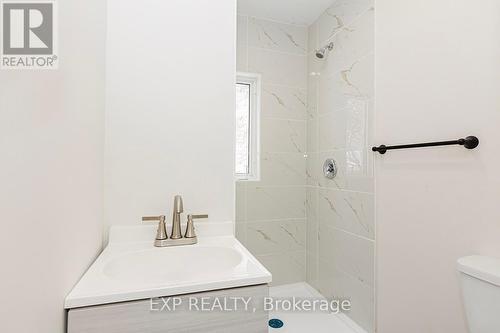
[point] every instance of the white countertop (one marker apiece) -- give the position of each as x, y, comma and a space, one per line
131, 268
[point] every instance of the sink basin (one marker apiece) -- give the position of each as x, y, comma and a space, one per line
175, 264
131, 268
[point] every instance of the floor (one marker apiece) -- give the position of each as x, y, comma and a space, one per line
309, 322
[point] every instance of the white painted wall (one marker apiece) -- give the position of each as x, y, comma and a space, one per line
51, 144
170, 108
437, 77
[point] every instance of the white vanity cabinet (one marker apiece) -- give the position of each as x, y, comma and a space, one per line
143, 317
114, 295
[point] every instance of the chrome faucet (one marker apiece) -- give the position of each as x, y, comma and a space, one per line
176, 238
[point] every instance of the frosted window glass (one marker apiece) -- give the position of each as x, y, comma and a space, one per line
242, 128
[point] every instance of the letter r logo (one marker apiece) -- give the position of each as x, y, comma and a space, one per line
27, 28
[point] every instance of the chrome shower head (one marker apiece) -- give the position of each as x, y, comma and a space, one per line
321, 53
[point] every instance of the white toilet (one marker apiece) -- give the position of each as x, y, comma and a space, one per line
480, 280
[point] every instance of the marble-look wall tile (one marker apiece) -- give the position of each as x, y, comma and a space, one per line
361, 297
277, 36
349, 253
268, 237
340, 16
336, 284
241, 201
312, 95
356, 41
270, 213
312, 212
278, 68
332, 130
240, 231
312, 37
325, 284
325, 281
349, 45
285, 169
312, 114
354, 170
284, 102
329, 24
346, 271
312, 135
347, 85
242, 43
312, 270
345, 128
312, 250
358, 78
346, 210
275, 203
283, 136
313, 173
286, 267
344, 82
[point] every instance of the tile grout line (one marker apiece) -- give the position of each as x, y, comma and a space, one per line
339, 189
350, 233
297, 25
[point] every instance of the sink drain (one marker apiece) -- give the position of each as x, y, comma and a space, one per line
275, 323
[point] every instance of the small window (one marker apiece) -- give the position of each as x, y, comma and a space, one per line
247, 126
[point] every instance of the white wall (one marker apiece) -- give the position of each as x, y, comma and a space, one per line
170, 108
51, 143
437, 77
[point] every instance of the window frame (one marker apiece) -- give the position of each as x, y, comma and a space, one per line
254, 82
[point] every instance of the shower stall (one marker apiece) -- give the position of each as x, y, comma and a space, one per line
307, 211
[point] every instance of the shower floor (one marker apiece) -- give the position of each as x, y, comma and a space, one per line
309, 322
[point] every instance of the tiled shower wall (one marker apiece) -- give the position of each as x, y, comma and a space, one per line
300, 225
340, 212
270, 213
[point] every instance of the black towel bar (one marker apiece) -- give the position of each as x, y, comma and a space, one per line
469, 142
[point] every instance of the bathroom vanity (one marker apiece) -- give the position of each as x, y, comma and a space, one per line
215, 285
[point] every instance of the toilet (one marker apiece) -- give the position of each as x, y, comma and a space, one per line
480, 283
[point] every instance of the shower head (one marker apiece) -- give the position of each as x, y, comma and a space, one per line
321, 53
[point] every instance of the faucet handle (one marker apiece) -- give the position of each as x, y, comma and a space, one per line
202, 216
152, 218
190, 233
161, 233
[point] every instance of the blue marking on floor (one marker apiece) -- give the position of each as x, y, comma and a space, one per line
275, 323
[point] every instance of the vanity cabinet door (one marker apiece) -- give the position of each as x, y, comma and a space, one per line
137, 316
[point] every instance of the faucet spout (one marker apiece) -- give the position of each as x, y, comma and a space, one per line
176, 218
